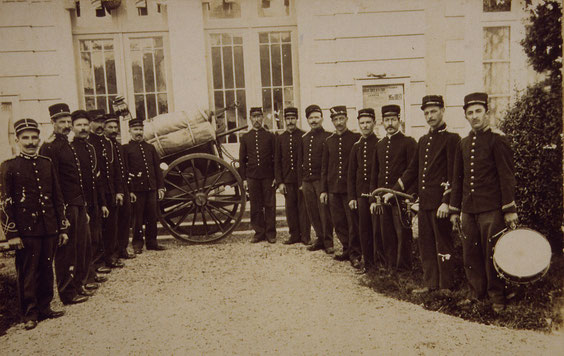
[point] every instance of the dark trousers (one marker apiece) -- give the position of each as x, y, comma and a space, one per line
477, 251
298, 221
395, 238
345, 222
72, 261
109, 232
365, 232
34, 268
318, 214
145, 213
263, 208
96, 248
123, 224
436, 250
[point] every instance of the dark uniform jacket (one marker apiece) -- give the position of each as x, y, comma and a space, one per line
109, 171
335, 161
310, 153
360, 166
431, 168
144, 167
256, 154
393, 155
484, 179
91, 179
66, 163
122, 167
31, 201
286, 156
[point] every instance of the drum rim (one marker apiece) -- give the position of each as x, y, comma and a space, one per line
521, 279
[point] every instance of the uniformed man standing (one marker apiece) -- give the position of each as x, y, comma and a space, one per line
32, 215
334, 170
146, 185
93, 194
123, 201
286, 172
430, 171
360, 168
310, 153
393, 154
112, 187
484, 189
256, 159
66, 164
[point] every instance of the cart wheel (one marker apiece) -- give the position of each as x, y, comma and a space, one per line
204, 200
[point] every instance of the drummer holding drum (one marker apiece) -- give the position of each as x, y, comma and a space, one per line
483, 198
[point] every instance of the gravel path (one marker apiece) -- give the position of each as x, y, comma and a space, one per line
239, 298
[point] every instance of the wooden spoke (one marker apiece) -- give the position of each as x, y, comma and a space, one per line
215, 218
194, 168
181, 220
215, 181
223, 211
178, 187
184, 178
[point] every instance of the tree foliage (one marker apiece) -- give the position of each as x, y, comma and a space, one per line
543, 41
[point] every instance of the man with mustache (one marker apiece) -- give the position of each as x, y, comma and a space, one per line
430, 173
360, 168
334, 170
112, 187
286, 172
309, 179
146, 185
95, 200
32, 215
67, 168
484, 189
256, 159
123, 201
393, 154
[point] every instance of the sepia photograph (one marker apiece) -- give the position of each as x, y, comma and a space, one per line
281, 177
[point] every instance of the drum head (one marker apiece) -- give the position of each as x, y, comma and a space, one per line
522, 253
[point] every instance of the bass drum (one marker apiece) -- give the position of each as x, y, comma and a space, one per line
522, 256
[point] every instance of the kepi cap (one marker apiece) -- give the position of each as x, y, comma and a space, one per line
25, 124
111, 117
58, 110
256, 111
366, 112
436, 100
338, 110
311, 109
96, 115
135, 123
476, 98
79, 114
390, 110
291, 111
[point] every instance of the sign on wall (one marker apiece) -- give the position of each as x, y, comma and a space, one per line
376, 96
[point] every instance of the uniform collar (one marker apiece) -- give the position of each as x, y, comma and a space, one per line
317, 130
369, 137
392, 135
343, 134
441, 128
61, 136
481, 132
26, 156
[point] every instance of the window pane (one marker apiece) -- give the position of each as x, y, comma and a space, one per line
496, 43
226, 39
287, 63
496, 5
274, 37
162, 104
497, 107
90, 103
263, 37
288, 97
267, 106
239, 67
496, 78
160, 70
215, 39
149, 73
158, 42
272, 8
137, 71
96, 46
140, 107
237, 40
242, 109
99, 79
216, 68
111, 72
87, 80
278, 108
265, 65
276, 65
85, 46
228, 67
229, 103
220, 117
151, 105
101, 103
109, 45
221, 9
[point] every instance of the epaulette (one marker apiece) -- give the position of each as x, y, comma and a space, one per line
50, 139
497, 131
45, 157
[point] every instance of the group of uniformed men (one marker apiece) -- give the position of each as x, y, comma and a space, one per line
468, 183
74, 202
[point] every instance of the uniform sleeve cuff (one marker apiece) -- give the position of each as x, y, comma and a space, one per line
509, 208
453, 209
